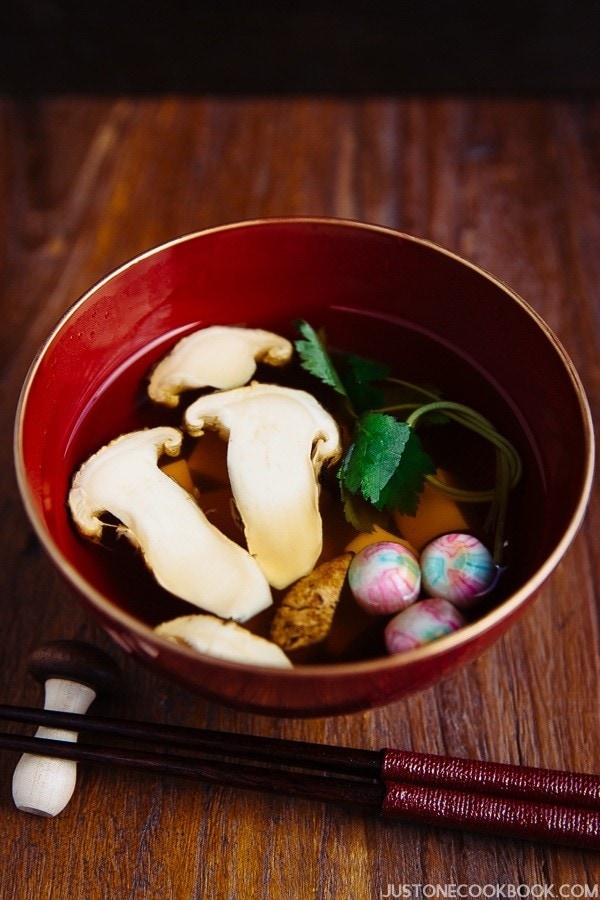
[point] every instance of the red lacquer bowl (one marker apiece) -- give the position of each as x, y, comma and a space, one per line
433, 316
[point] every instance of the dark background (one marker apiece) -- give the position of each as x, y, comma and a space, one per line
277, 48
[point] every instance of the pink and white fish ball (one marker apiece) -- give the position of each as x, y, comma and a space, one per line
385, 577
421, 623
457, 567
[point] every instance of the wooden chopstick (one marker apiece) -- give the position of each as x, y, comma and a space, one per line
259, 777
350, 761
426, 793
526, 782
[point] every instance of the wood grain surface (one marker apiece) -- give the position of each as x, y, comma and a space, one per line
513, 185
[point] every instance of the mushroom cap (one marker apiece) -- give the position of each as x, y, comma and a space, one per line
224, 640
219, 356
279, 405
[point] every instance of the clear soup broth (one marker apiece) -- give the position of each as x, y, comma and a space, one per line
122, 405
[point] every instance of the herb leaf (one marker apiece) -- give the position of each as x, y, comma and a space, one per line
361, 514
385, 466
385, 463
315, 358
408, 480
357, 379
373, 455
354, 378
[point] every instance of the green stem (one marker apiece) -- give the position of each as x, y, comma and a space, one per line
397, 407
508, 466
497, 515
419, 389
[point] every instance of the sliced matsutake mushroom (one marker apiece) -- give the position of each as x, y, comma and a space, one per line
187, 554
219, 356
278, 440
224, 640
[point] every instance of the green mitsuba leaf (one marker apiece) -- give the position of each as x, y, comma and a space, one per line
354, 376
361, 514
315, 358
385, 463
408, 480
358, 377
376, 449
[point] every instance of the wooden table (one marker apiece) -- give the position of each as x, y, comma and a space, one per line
511, 184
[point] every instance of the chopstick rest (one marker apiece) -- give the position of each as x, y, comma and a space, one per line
73, 674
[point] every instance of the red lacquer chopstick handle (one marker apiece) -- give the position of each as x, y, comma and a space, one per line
487, 814
501, 779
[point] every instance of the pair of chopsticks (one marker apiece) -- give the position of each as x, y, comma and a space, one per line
491, 798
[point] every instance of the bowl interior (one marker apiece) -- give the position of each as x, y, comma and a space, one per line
434, 318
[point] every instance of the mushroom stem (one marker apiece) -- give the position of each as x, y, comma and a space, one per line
278, 440
187, 554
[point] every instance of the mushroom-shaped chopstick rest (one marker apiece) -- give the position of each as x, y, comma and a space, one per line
74, 673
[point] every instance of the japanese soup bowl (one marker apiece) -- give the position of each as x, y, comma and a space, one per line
435, 318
